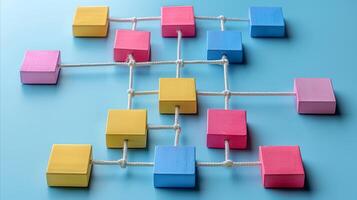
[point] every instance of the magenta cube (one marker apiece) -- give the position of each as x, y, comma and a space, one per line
228, 125
136, 43
314, 96
40, 67
281, 167
176, 18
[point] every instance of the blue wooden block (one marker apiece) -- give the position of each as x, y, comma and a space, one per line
175, 167
227, 43
266, 22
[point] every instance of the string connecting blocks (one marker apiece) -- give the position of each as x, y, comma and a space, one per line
175, 166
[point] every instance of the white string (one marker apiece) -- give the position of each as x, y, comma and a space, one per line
222, 19
160, 62
226, 150
178, 54
207, 93
177, 126
114, 19
131, 64
149, 92
226, 91
150, 126
134, 22
219, 18
131, 19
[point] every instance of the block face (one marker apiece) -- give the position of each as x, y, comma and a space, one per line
69, 165
177, 92
91, 21
132, 42
228, 43
282, 167
128, 125
175, 166
176, 18
266, 22
40, 67
228, 125
314, 96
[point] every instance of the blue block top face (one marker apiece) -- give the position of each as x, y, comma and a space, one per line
266, 16
224, 40
175, 160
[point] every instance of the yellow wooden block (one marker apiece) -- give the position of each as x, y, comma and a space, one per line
130, 125
177, 92
69, 165
91, 21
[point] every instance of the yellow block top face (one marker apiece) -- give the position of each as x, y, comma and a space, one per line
132, 122
91, 16
177, 89
70, 159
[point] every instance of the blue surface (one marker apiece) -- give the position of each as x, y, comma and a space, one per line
175, 167
266, 22
321, 42
227, 43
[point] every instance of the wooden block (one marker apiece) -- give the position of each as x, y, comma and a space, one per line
228, 125
314, 96
69, 165
175, 167
282, 167
130, 125
40, 67
91, 21
266, 22
228, 43
136, 43
174, 18
177, 92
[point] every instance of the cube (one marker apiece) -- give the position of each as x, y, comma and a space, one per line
130, 125
179, 92
136, 43
40, 67
228, 43
266, 22
175, 167
176, 18
228, 125
281, 167
91, 21
314, 96
69, 165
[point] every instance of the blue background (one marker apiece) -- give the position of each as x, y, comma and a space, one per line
321, 42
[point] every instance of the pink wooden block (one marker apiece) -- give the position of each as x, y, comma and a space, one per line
314, 96
40, 67
178, 18
281, 167
228, 125
128, 42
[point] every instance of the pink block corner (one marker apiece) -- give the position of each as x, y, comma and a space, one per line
281, 167
174, 18
314, 96
40, 67
228, 125
132, 42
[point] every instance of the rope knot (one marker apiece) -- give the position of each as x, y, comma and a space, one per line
179, 62
225, 61
131, 91
221, 17
134, 19
122, 163
227, 93
228, 163
177, 127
